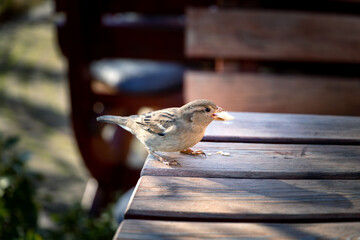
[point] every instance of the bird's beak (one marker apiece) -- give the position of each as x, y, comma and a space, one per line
215, 114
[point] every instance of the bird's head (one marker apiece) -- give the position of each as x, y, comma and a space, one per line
201, 112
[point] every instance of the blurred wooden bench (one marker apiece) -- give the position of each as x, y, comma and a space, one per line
124, 34
274, 56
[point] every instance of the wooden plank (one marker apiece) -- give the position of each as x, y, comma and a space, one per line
155, 7
116, 38
276, 93
145, 229
224, 199
266, 161
272, 35
286, 128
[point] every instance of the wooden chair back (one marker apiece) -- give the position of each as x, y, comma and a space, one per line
277, 60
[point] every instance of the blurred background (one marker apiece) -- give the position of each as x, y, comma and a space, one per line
63, 63
34, 101
34, 106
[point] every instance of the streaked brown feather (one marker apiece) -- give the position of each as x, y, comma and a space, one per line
157, 122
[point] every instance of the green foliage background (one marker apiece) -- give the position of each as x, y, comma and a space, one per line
19, 209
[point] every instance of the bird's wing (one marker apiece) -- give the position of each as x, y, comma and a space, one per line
158, 122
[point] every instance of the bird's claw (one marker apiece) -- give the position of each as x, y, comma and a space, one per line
171, 163
165, 161
200, 152
192, 152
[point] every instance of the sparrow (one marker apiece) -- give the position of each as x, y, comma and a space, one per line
170, 129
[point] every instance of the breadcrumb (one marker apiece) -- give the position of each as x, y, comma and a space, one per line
225, 116
223, 153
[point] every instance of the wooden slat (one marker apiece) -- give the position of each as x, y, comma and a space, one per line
272, 35
139, 39
144, 229
286, 128
152, 7
224, 199
263, 161
128, 41
276, 93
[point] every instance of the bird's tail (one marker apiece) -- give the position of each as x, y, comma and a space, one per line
113, 119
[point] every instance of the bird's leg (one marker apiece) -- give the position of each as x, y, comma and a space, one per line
163, 160
192, 152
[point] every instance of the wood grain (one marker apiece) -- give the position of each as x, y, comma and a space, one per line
223, 199
144, 229
276, 93
272, 35
127, 40
267, 161
286, 128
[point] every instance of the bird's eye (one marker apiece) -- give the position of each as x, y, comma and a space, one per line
207, 109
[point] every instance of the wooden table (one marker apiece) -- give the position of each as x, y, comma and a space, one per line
287, 177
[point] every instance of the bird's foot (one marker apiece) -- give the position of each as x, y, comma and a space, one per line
165, 161
170, 162
192, 152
